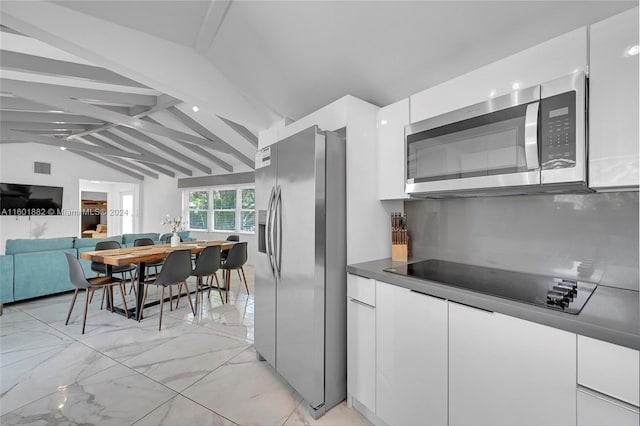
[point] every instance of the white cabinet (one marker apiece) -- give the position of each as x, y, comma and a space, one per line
361, 341
544, 62
598, 410
391, 158
613, 102
507, 371
411, 356
609, 369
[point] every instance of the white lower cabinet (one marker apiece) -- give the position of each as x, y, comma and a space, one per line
610, 369
361, 341
507, 371
411, 356
598, 410
608, 383
414, 359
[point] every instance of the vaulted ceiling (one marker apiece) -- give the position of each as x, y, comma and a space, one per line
116, 82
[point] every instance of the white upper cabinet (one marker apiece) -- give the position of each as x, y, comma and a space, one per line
613, 103
544, 62
391, 158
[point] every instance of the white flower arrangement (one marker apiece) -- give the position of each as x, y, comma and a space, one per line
174, 222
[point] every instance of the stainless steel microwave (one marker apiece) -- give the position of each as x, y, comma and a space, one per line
530, 141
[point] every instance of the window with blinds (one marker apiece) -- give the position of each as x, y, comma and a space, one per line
221, 209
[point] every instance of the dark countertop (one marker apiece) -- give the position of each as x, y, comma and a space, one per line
611, 314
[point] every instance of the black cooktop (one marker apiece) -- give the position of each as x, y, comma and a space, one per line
562, 294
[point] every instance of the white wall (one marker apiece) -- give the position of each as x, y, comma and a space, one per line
160, 197
16, 161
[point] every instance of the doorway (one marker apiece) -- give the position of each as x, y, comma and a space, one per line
118, 210
93, 217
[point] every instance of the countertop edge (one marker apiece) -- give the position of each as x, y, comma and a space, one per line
562, 321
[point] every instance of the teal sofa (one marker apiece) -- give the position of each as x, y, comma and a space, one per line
39, 266
34, 268
6, 279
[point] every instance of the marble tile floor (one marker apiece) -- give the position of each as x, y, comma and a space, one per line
198, 370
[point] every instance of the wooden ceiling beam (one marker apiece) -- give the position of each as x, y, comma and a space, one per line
242, 131
39, 65
151, 157
107, 163
119, 98
204, 132
13, 136
200, 151
47, 117
178, 155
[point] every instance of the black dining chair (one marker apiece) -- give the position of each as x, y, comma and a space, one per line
175, 271
207, 264
78, 279
101, 268
225, 253
152, 264
236, 258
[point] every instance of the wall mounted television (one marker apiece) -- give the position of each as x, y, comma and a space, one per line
30, 200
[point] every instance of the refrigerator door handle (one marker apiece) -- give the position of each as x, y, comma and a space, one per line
269, 230
278, 207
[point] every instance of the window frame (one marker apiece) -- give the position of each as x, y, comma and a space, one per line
211, 210
212, 224
187, 209
240, 209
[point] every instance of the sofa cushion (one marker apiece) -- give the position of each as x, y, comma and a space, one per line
91, 242
45, 244
41, 273
6, 279
130, 238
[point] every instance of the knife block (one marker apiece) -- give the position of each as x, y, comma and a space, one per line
400, 252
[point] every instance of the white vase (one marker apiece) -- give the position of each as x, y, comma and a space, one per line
175, 240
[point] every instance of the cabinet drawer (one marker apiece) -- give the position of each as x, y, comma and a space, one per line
362, 289
594, 410
610, 369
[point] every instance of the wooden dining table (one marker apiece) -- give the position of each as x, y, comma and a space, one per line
140, 256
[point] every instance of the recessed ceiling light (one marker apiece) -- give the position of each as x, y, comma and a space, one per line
515, 85
632, 51
492, 93
64, 148
195, 108
383, 122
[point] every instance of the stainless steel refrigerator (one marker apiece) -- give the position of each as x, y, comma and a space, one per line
300, 267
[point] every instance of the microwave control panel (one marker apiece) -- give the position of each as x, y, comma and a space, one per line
558, 131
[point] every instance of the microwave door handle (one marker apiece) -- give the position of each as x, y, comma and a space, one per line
531, 136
